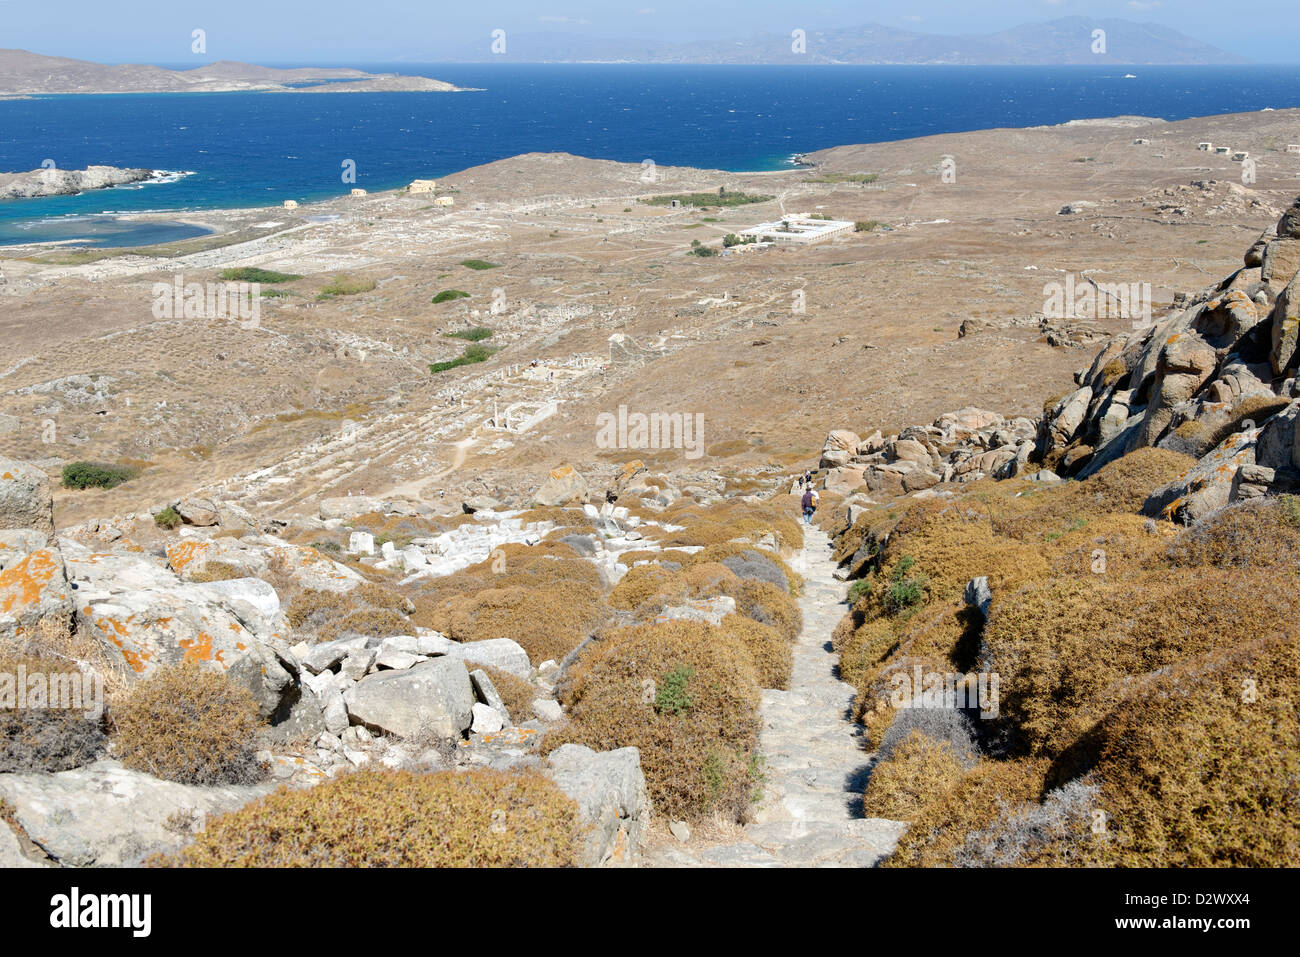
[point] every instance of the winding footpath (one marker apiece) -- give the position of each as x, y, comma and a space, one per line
814, 763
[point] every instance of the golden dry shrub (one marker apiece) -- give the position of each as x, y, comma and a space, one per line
686, 694
772, 654
708, 578
953, 544
1258, 534
516, 693
1116, 545
386, 818
865, 650
573, 517
728, 522
369, 609
217, 572
547, 621
1120, 486
639, 585
190, 725
1065, 650
766, 604
676, 556
1198, 767
45, 734
939, 830
383, 597
921, 770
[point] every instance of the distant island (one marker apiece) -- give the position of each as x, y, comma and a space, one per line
68, 182
1060, 42
25, 73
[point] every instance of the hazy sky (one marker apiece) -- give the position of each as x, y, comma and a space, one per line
376, 31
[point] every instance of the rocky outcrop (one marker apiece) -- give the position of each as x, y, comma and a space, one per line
67, 182
104, 815
433, 697
25, 500
610, 791
563, 486
1201, 381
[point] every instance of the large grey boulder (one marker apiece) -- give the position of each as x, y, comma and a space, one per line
563, 486
501, 653
25, 499
434, 696
1207, 486
200, 512
104, 815
609, 788
1285, 328
840, 446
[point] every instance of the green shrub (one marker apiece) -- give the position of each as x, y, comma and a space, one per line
905, 590
674, 695
475, 352
83, 475
347, 286
477, 334
168, 518
706, 199
375, 818
189, 725
867, 225
447, 295
254, 274
479, 264
859, 588
699, 249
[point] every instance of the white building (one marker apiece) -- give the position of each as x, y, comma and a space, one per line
800, 229
423, 186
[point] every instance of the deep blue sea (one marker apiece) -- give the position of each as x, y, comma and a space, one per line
252, 149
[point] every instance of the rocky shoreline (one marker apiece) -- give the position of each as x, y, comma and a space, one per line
69, 182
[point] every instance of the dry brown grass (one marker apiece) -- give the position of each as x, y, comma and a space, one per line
767, 604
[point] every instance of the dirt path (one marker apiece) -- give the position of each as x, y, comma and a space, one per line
815, 767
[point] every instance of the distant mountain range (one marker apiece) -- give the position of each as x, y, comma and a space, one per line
1068, 40
24, 73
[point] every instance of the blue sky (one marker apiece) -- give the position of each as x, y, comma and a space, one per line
377, 31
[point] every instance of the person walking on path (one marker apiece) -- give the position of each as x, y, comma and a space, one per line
810, 502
